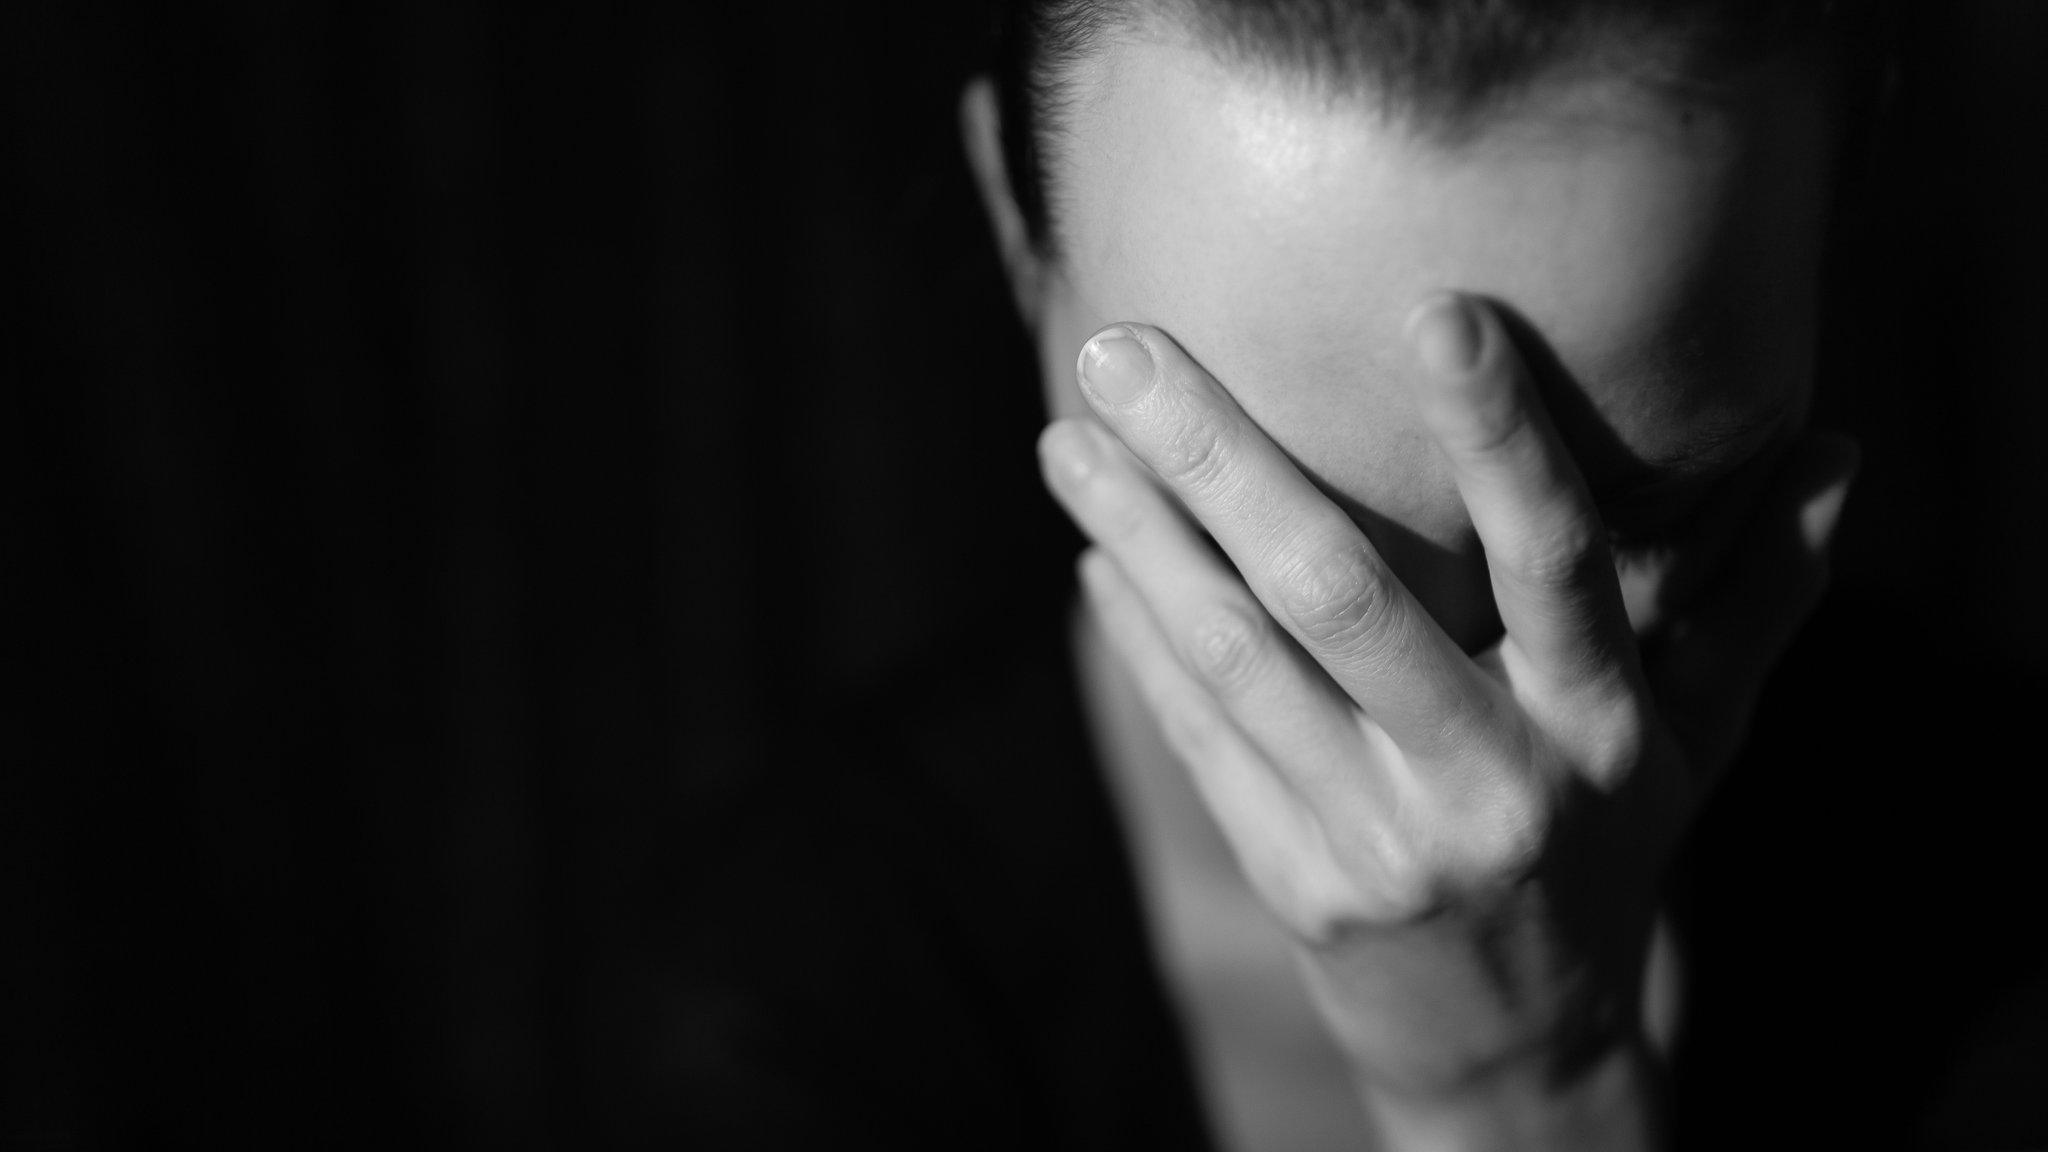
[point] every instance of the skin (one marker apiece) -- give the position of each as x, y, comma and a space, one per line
1451, 730
1667, 255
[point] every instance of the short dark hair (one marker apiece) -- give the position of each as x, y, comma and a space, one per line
1441, 65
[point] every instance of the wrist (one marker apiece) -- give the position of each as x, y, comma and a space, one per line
1435, 1008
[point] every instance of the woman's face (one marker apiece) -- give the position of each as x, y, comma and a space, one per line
1667, 255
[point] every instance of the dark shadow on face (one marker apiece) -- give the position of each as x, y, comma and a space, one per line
1592, 441
1452, 582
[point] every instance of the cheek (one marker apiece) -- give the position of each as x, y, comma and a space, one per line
1066, 322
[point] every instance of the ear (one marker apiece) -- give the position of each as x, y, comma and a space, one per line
981, 131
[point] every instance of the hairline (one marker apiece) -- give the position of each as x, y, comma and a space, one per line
1663, 60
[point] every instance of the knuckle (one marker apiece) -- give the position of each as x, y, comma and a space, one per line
1119, 510
1405, 891
1491, 834
1507, 842
1396, 882
1368, 880
1612, 740
1227, 649
1196, 452
1491, 417
1192, 732
1314, 907
1572, 555
1338, 597
1327, 922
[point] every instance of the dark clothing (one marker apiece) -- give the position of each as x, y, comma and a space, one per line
927, 934
1849, 983
1860, 904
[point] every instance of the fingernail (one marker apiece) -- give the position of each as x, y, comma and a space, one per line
1116, 368
1447, 336
1819, 519
1823, 512
1068, 452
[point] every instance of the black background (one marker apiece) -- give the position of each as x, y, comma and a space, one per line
451, 450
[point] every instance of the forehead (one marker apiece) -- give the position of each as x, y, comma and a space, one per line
1666, 253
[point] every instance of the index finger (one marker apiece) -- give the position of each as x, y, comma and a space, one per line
1301, 555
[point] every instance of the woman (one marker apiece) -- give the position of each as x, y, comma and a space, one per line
1480, 339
